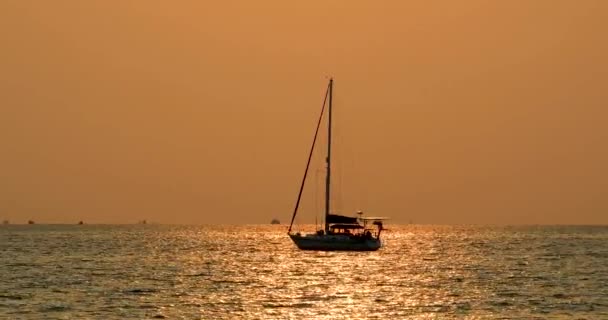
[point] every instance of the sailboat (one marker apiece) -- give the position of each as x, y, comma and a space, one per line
339, 232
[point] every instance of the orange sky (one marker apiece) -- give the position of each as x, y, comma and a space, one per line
202, 112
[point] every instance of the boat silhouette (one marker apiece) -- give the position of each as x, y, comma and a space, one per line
339, 232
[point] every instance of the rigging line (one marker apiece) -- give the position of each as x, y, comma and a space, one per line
339, 166
317, 204
317, 197
312, 148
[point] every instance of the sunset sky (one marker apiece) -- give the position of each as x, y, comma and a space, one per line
447, 112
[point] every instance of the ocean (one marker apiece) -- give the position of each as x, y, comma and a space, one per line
256, 272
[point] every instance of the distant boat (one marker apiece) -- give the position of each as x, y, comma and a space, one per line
31, 222
5, 222
275, 221
80, 222
339, 232
143, 222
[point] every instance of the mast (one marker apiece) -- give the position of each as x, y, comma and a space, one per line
328, 159
312, 148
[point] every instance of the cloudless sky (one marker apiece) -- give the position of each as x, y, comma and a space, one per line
203, 111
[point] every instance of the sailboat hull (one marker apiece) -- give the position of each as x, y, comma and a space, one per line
335, 242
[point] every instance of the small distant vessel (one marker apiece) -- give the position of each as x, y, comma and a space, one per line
339, 232
31, 222
5, 222
80, 222
143, 222
275, 221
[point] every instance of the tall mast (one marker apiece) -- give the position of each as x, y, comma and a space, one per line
328, 173
312, 148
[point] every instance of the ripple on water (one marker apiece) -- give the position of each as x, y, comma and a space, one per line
215, 272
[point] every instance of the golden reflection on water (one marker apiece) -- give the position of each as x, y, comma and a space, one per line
422, 272
256, 272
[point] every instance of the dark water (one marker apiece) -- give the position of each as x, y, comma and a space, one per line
255, 272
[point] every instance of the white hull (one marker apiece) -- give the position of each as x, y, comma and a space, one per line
335, 242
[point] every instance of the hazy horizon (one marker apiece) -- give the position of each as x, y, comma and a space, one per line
285, 225
468, 112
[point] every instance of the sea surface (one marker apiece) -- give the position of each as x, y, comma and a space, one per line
255, 272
